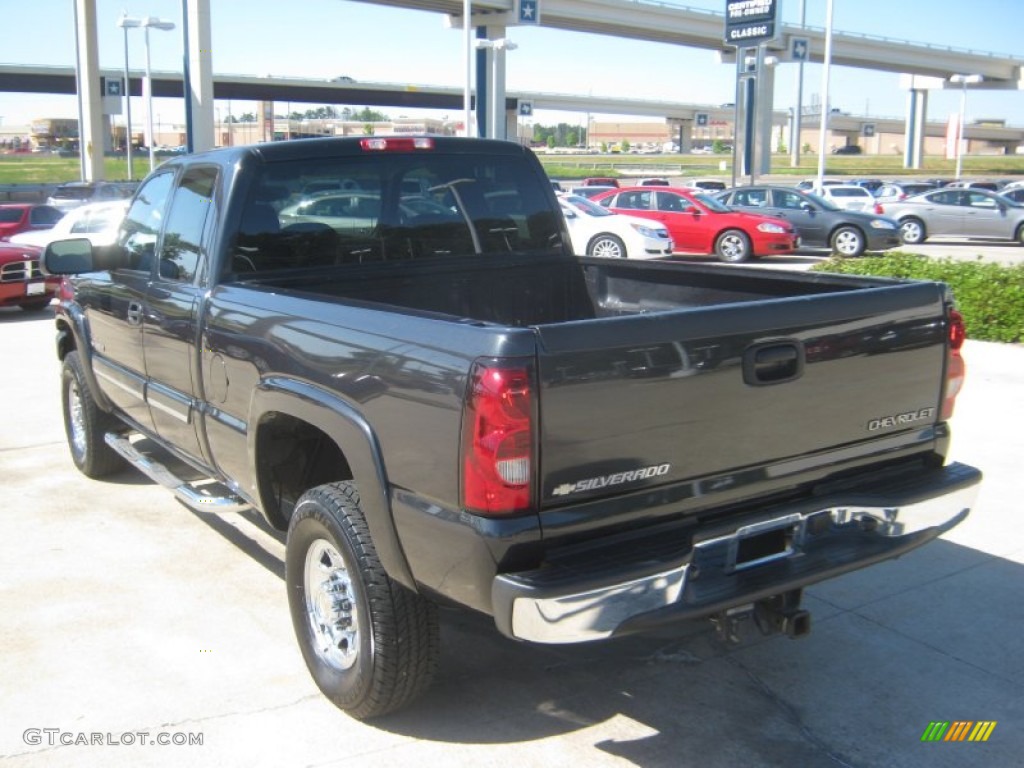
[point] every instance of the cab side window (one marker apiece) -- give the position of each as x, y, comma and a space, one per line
634, 200
181, 249
788, 200
142, 223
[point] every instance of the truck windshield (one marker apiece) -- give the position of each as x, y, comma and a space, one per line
396, 206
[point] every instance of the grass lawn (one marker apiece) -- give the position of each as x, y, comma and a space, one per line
885, 166
47, 169
44, 169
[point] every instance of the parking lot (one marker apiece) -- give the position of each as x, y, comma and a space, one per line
129, 620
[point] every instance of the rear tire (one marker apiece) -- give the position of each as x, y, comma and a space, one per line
912, 231
607, 245
733, 246
85, 424
370, 644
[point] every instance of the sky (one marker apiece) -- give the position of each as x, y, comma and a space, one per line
329, 38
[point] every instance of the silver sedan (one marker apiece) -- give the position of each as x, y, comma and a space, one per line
960, 213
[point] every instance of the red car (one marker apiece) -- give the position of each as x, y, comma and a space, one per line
23, 217
700, 224
21, 281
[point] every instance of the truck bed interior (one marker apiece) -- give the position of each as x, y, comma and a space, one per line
525, 291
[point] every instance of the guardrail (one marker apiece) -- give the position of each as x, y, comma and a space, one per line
25, 193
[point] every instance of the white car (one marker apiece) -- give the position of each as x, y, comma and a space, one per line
596, 231
97, 222
850, 197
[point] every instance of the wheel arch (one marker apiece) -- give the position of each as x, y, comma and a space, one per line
72, 335
304, 436
846, 225
913, 217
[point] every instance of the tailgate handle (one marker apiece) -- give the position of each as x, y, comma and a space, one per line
773, 363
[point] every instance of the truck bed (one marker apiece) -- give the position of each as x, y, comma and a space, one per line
723, 379
531, 291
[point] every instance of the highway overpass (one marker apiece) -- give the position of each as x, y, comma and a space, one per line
637, 19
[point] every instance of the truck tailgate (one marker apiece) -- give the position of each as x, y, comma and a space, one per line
726, 394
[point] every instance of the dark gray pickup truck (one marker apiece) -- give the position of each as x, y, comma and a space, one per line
386, 346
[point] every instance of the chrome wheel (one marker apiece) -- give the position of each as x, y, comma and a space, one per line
331, 606
733, 246
608, 246
912, 231
76, 419
848, 242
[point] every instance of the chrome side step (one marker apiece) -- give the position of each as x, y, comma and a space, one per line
201, 498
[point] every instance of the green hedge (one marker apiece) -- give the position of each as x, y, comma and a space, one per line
989, 296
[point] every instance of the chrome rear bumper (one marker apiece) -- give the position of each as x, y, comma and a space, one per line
787, 549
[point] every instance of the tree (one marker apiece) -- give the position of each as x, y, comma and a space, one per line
370, 116
624, 145
248, 117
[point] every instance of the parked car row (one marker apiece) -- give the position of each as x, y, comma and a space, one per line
959, 211
821, 224
699, 223
27, 228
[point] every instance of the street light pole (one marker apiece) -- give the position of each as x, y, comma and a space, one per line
963, 80
467, 42
126, 23
154, 23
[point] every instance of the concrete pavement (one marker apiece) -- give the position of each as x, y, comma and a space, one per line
126, 614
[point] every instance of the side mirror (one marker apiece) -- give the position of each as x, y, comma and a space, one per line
68, 257
569, 214
76, 256
805, 206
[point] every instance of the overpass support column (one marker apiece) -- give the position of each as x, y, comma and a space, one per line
684, 132
200, 70
492, 47
90, 102
765, 101
917, 114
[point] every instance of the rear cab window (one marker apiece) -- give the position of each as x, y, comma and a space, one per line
388, 207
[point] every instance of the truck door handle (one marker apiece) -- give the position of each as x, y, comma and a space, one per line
773, 363
134, 313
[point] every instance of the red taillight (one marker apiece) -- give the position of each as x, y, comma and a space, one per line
396, 143
879, 209
955, 368
497, 439
957, 330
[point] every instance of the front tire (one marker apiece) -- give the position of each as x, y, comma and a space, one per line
370, 644
848, 241
85, 424
912, 231
607, 245
733, 246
